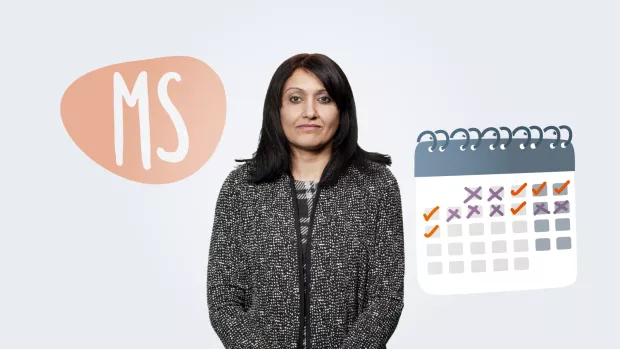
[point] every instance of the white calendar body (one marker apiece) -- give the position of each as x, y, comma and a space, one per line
490, 233
495, 215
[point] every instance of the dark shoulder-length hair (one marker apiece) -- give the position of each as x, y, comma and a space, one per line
272, 157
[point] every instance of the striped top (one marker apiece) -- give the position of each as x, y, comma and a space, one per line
305, 194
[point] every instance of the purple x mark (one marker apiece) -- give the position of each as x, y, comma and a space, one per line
472, 194
495, 194
560, 206
473, 209
496, 208
540, 207
453, 213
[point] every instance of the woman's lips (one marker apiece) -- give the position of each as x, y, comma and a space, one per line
309, 127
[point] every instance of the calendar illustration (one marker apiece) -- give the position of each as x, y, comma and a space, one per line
495, 209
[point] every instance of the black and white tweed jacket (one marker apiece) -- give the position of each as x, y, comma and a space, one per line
355, 263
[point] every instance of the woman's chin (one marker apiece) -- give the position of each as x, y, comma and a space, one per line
310, 146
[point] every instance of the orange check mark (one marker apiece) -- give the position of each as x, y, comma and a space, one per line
430, 233
516, 210
430, 214
561, 189
516, 192
540, 188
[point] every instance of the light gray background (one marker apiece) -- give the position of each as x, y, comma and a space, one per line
91, 260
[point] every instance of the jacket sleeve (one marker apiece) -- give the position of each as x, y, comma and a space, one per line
377, 322
226, 279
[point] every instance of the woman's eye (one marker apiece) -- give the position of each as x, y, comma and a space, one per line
322, 99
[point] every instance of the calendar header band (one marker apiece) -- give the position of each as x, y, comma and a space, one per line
459, 159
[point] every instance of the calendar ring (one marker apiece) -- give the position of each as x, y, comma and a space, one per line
504, 128
570, 135
447, 140
475, 146
495, 133
432, 134
464, 146
529, 135
540, 136
556, 132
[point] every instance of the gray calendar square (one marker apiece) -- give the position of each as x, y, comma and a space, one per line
472, 194
540, 208
519, 227
516, 188
496, 210
455, 230
543, 244
562, 224
456, 267
474, 211
563, 243
520, 245
560, 207
435, 216
455, 248
453, 213
436, 234
477, 247
498, 246
500, 264
520, 208
541, 225
561, 187
433, 250
539, 192
496, 194
498, 227
478, 266
476, 229
435, 268
522, 263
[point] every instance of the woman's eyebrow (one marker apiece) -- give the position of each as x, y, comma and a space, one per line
301, 89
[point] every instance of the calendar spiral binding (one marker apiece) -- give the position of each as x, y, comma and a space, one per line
496, 133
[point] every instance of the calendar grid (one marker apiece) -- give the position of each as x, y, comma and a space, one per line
485, 232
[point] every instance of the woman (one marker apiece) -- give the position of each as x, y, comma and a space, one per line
307, 248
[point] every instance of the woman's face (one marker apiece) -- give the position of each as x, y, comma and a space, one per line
305, 102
